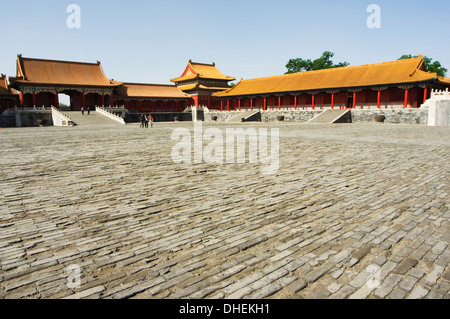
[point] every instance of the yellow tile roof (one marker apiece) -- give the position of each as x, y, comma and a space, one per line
394, 72
150, 90
38, 71
4, 88
200, 86
201, 70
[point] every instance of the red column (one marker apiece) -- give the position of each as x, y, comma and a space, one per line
251, 104
313, 101
405, 104
295, 102
265, 104
112, 100
332, 100
354, 99
103, 99
56, 99
21, 99
279, 103
379, 99
425, 94
228, 105
209, 102
221, 105
239, 103
83, 102
34, 98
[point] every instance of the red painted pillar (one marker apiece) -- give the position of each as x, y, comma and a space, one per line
34, 98
221, 105
228, 105
239, 103
21, 99
251, 104
279, 103
313, 101
83, 101
332, 100
405, 104
103, 99
112, 100
425, 94
265, 104
57, 99
354, 99
379, 99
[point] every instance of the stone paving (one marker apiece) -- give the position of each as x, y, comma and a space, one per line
347, 198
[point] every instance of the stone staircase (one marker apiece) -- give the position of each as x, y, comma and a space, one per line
93, 119
332, 116
247, 116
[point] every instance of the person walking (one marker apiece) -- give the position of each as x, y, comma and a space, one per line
142, 121
82, 110
146, 121
150, 119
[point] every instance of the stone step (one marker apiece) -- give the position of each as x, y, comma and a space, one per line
329, 117
244, 115
93, 119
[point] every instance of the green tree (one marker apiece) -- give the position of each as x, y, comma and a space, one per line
435, 67
324, 62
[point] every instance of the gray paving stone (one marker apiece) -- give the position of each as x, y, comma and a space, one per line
387, 286
418, 292
405, 266
211, 231
408, 283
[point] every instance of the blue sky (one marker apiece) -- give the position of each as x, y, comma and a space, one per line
151, 41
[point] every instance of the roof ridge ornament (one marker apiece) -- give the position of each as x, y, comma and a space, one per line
421, 62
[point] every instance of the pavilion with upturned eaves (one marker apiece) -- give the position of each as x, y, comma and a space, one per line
201, 81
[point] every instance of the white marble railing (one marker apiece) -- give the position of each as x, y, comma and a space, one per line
440, 94
110, 115
59, 118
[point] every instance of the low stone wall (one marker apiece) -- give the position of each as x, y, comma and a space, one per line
267, 116
393, 116
299, 116
28, 117
222, 116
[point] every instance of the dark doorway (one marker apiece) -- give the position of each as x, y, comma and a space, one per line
350, 100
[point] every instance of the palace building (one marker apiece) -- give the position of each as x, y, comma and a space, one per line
201, 81
143, 98
40, 81
9, 98
402, 83
395, 84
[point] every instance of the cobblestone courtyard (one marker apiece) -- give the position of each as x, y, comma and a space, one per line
109, 200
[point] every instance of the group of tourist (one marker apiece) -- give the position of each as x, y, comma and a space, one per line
88, 110
145, 120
